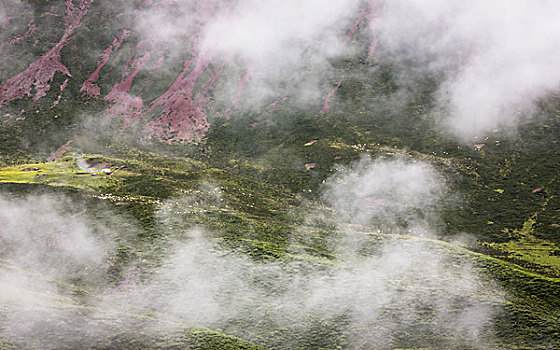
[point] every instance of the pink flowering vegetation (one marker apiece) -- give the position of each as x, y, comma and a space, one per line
171, 108
363, 14
89, 88
180, 111
15, 22
373, 8
367, 14
32, 27
60, 151
59, 97
272, 106
36, 80
125, 104
328, 99
182, 115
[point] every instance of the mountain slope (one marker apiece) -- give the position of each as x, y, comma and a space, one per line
150, 189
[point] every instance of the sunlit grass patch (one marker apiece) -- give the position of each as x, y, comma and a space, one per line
539, 255
63, 172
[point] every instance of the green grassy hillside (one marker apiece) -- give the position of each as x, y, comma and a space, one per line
279, 264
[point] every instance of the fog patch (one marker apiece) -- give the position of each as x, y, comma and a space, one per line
50, 253
388, 284
381, 286
284, 47
403, 286
38, 233
499, 57
287, 44
385, 191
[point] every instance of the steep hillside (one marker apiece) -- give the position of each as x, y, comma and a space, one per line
197, 175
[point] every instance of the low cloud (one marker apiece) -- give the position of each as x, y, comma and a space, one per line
385, 191
380, 286
283, 46
379, 289
38, 233
499, 57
